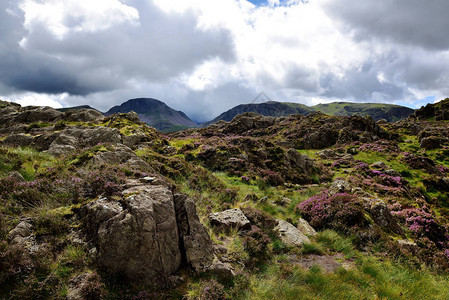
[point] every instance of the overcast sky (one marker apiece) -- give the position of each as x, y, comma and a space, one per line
206, 56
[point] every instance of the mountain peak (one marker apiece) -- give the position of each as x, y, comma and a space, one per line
155, 113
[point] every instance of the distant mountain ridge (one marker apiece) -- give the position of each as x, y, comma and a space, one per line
377, 111
155, 113
64, 109
270, 108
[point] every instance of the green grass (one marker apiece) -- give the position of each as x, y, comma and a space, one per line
370, 278
27, 161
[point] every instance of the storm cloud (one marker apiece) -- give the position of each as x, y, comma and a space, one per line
205, 56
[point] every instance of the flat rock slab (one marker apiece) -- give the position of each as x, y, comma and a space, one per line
290, 235
228, 219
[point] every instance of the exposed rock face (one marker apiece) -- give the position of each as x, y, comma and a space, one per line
248, 121
228, 219
120, 155
299, 161
144, 237
194, 239
290, 235
381, 215
83, 115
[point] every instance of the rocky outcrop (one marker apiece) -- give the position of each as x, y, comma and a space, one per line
83, 115
248, 121
229, 219
148, 235
290, 235
120, 154
381, 215
299, 161
194, 240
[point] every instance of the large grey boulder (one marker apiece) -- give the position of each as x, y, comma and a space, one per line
290, 235
142, 241
229, 219
148, 236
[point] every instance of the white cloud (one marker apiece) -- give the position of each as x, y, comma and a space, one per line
37, 99
205, 56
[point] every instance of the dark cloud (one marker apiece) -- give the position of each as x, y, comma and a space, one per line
412, 22
159, 47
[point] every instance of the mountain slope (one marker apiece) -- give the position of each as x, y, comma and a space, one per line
64, 109
270, 108
155, 113
377, 111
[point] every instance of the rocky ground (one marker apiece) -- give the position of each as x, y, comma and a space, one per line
260, 207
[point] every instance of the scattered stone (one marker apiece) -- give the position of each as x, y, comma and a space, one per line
20, 232
263, 199
228, 219
408, 247
380, 165
223, 271
339, 186
16, 176
290, 235
283, 201
305, 227
147, 179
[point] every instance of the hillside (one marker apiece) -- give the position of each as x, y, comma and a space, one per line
311, 206
377, 111
76, 108
270, 108
155, 113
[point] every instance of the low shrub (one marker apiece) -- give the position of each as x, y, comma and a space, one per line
339, 211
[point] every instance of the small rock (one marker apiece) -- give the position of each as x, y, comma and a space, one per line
223, 271
147, 179
16, 176
283, 201
408, 247
22, 230
290, 235
379, 165
263, 199
305, 227
228, 219
339, 186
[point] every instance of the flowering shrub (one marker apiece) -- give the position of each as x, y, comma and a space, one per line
422, 224
260, 218
379, 181
380, 146
256, 242
212, 290
338, 211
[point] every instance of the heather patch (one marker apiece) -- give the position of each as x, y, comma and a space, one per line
339, 211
